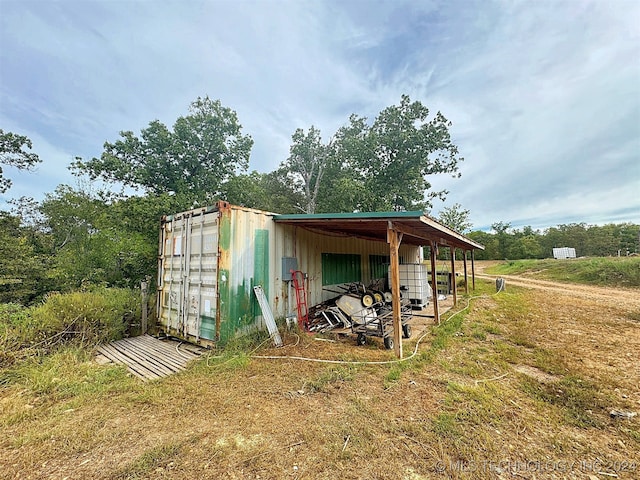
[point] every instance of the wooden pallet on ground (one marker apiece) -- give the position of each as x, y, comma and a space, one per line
147, 357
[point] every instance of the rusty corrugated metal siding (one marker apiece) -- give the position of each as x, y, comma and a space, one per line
247, 259
210, 260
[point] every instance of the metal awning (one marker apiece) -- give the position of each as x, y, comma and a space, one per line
416, 227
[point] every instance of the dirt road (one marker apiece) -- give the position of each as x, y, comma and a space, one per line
614, 297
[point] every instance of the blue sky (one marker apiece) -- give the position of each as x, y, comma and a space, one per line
544, 96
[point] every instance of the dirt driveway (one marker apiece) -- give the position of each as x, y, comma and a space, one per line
615, 297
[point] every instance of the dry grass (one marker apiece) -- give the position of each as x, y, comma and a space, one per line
523, 381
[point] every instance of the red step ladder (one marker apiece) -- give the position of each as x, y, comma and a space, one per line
301, 299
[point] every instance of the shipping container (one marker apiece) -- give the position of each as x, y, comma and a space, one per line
211, 258
209, 261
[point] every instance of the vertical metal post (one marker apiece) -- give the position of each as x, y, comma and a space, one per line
473, 272
172, 246
434, 281
182, 298
161, 266
200, 253
186, 274
144, 291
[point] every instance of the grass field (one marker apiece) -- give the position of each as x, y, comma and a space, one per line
606, 271
519, 385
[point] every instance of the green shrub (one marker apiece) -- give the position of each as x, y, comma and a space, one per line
79, 318
93, 317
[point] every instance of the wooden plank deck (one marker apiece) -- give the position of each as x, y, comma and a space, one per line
147, 357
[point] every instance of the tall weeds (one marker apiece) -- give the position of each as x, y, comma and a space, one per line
78, 319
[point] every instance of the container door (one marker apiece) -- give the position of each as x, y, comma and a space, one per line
188, 276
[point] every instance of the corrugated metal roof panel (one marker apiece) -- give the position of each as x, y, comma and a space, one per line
417, 228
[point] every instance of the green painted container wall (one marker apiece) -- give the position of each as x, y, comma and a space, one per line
341, 268
379, 266
247, 259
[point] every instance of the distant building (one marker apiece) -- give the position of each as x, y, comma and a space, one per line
563, 253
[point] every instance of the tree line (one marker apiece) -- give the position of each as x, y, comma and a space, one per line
503, 242
80, 235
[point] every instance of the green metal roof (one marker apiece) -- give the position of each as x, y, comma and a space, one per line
357, 215
416, 227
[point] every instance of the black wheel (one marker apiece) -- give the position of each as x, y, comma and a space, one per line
388, 297
378, 297
367, 300
388, 343
362, 339
406, 330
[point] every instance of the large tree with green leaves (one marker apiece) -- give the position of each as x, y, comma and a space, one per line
456, 218
264, 191
192, 161
387, 163
504, 239
13, 152
305, 167
96, 237
23, 268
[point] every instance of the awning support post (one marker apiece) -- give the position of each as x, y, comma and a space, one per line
434, 281
466, 280
394, 238
454, 287
473, 272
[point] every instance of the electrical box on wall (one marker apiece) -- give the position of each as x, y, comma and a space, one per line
288, 264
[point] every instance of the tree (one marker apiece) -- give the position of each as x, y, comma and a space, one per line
204, 150
501, 233
13, 153
263, 191
525, 246
592, 240
456, 218
628, 236
306, 166
388, 162
343, 188
576, 236
490, 242
23, 269
101, 237
601, 241
70, 218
